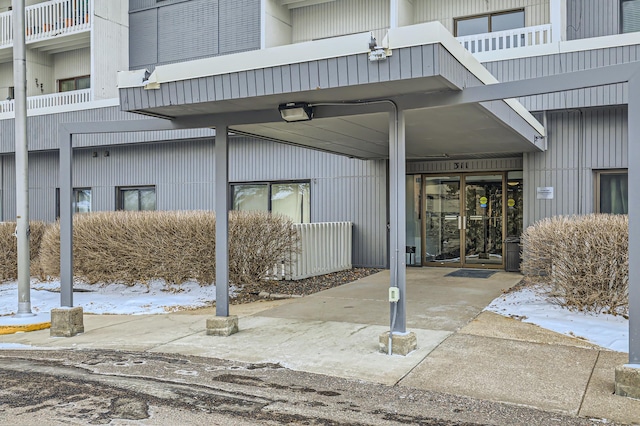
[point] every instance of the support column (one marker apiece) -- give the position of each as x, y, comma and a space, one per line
66, 219
222, 324
627, 381
398, 341
66, 321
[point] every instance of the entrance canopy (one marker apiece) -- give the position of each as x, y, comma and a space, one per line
337, 78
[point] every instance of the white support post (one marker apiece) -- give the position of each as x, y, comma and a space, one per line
558, 20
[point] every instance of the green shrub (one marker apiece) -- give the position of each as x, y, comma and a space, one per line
584, 260
132, 247
9, 248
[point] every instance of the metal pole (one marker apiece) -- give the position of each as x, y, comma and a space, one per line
222, 220
633, 119
22, 155
66, 217
398, 236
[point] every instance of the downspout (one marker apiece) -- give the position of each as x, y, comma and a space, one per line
581, 134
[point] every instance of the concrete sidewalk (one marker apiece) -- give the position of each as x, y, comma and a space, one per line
461, 350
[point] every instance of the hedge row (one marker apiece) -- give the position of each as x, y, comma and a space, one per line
9, 248
583, 259
132, 247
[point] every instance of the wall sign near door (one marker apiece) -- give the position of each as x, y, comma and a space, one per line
544, 193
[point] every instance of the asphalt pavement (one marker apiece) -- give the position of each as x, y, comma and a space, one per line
462, 350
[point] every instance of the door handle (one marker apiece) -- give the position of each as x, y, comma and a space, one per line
459, 222
464, 223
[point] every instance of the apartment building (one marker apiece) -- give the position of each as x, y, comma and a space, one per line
476, 175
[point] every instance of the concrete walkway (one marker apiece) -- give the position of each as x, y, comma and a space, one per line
461, 350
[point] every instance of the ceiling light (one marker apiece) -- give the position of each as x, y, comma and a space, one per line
296, 111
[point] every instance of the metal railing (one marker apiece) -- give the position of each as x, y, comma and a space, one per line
50, 101
323, 248
510, 39
49, 19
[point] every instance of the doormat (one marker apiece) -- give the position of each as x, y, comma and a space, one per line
471, 273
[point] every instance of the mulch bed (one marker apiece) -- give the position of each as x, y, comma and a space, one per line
252, 292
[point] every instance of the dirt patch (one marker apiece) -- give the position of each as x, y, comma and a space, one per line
259, 291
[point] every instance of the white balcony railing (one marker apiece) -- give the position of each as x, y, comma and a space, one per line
49, 19
50, 101
510, 39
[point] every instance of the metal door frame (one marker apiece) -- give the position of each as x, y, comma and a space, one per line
462, 215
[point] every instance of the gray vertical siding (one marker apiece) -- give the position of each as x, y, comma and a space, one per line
143, 28
592, 18
43, 130
174, 31
579, 143
342, 189
539, 66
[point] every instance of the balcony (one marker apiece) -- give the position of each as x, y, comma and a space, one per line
510, 39
47, 22
44, 103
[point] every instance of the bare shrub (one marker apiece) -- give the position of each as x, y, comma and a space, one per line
583, 259
258, 241
132, 247
9, 248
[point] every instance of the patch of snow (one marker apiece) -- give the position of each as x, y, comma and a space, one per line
156, 297
530, 306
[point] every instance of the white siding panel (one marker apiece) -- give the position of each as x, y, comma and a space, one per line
536, 12
110, 44
340, 18
74, 63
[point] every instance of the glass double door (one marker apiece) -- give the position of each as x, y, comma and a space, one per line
457, 220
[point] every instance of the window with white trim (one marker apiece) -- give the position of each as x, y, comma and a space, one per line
287, 198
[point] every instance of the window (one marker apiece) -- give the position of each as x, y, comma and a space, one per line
137, 198
630, 15
489, 23
75, 83
612, 192
287, 198
81, 200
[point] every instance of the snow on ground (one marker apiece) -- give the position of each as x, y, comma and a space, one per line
530, 306
158, 297
154, 298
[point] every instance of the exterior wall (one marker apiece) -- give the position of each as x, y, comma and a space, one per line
42, 130
539, 66
183, 30
110, 47
340, 18
342, 189
74, 63
276, 26
536, 12
40, 66
592, 18
579, 142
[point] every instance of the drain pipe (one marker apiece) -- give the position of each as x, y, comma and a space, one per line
394, 289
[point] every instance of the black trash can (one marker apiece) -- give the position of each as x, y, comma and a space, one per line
513, 255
